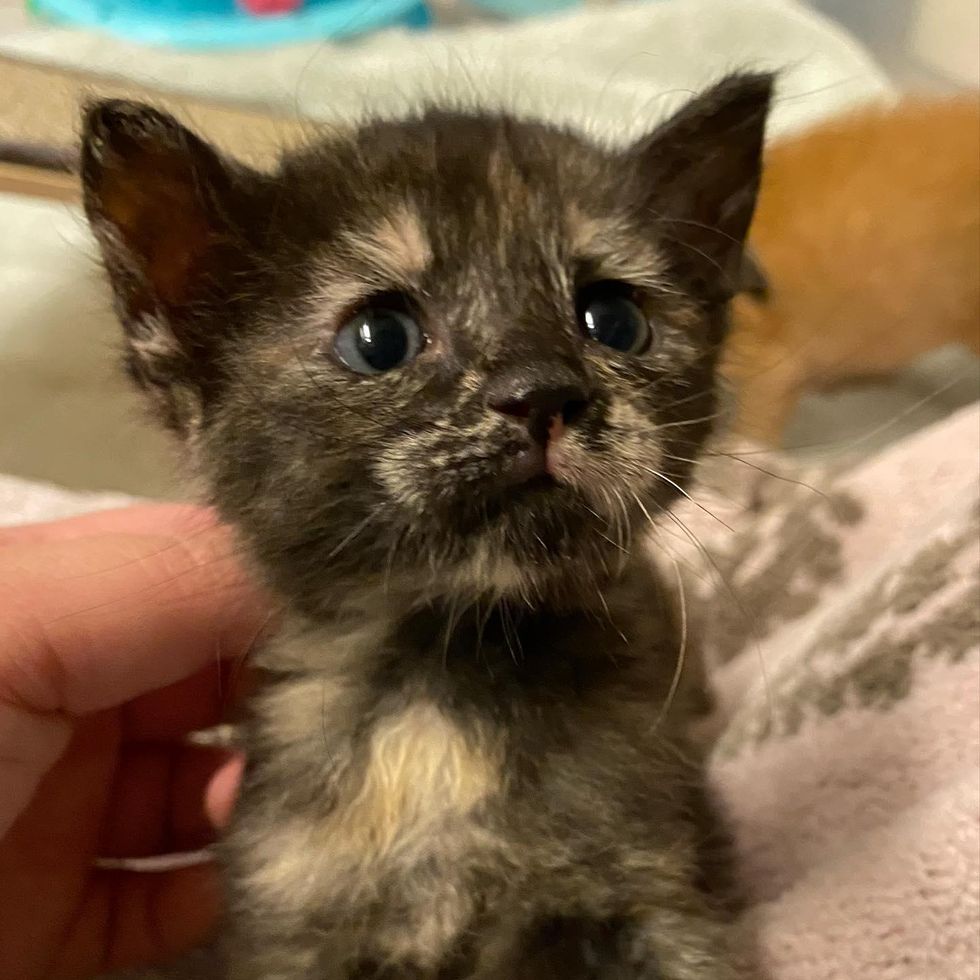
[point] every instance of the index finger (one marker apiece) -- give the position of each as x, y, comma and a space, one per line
91, 622
178, 520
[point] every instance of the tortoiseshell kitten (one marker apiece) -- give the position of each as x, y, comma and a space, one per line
440, 375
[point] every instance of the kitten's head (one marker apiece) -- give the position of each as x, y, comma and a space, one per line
460, 351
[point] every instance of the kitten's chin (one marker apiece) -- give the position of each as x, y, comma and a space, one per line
485, 573
508, 576
532, 552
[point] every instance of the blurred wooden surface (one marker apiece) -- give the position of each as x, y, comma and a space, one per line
35, 182
42, 105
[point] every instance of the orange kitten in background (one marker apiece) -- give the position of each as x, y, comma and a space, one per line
868, 234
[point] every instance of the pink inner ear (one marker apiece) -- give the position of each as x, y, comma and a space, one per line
153, 202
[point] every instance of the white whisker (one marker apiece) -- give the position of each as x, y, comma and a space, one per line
723, 581
687, 496
675, 681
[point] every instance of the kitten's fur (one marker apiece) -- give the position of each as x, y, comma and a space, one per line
465, 760
868, 231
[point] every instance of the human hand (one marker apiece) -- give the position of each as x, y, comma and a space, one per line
120, 633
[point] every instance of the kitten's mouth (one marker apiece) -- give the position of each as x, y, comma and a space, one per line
530, 465
531, 470
542, 482
537, 466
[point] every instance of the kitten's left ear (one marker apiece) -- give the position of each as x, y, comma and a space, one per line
699, 173
159, 199
170, 216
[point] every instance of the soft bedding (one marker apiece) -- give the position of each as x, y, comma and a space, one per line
841, 619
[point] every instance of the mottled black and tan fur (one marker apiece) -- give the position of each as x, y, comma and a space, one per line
463, 762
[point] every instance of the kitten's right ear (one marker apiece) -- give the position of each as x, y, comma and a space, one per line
166, 210
699, 175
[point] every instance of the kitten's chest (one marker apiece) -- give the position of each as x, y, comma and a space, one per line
405, 756
346, 794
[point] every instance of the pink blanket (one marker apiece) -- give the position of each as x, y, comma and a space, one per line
842, 630
842, 626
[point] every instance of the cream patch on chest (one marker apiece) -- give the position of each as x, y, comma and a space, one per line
420, 770
405, 799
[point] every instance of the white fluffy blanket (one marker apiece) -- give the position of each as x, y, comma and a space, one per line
612, 68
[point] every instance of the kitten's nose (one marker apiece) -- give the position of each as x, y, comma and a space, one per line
539, 403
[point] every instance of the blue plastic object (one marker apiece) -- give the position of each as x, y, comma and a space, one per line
222, 24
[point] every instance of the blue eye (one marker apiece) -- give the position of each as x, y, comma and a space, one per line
609, 316
378, 339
